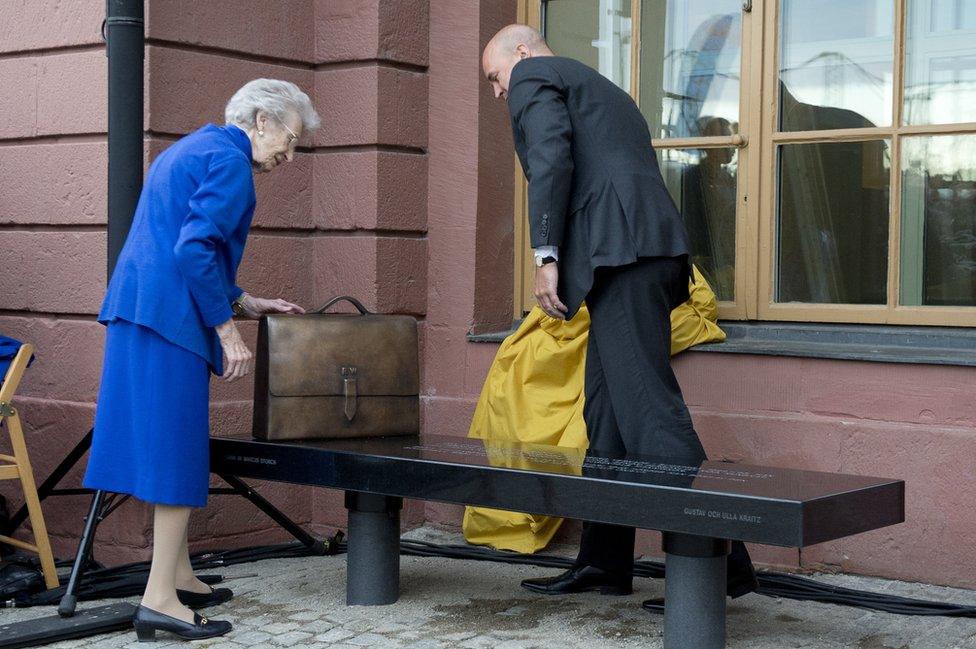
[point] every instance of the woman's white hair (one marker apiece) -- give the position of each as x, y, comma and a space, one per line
272, 96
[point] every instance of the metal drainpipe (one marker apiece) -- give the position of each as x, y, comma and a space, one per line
125, 49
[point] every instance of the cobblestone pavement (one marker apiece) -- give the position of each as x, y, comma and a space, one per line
475, 605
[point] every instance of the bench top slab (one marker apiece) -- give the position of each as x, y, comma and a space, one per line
786, 507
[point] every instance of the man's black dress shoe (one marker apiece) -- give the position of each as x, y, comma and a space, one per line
203, 600
742, 585
734, 588
654, 605
147, 622
579, 579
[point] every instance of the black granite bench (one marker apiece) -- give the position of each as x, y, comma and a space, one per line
698, 508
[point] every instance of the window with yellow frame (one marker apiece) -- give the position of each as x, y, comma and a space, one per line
822, 154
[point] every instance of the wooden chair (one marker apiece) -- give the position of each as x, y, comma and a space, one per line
18, 467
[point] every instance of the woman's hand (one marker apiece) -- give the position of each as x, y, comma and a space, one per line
239, 357
255, 307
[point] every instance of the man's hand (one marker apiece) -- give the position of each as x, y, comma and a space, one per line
546, 281
255, 307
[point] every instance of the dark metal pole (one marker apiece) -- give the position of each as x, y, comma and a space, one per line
694, 591
125, 48
70, 598
373, 554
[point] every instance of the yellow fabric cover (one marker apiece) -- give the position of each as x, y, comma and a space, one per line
534, 395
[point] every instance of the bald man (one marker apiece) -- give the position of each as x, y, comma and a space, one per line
604, 228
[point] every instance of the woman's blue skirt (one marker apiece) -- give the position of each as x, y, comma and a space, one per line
152, 425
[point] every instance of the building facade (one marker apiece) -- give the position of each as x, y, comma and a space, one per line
824, 161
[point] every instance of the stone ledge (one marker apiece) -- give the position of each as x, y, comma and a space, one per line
878, 343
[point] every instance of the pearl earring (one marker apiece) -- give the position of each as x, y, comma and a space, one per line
260, 132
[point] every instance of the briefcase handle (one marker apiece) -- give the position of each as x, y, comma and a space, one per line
356, 303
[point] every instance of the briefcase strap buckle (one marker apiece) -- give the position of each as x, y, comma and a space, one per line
349, 390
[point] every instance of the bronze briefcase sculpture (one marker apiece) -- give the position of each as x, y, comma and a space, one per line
324, 375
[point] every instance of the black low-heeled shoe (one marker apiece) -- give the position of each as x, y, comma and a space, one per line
147, 622
203, 600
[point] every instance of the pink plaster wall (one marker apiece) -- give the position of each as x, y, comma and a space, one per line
469, 219
403, 198
349, 216
52, 215
914, 422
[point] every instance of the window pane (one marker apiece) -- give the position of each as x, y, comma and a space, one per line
832, 223
940, 65
690, 57
835, 64
938, 212
596, 32
702, 183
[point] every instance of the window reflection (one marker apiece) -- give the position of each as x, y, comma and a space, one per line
595, 32
940, 62
832, 223
690, 64
703, 185
938, 235
837, 53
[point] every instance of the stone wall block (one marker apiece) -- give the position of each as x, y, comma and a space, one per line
274, 29
58, 272
54, 184
44, 24
401, 275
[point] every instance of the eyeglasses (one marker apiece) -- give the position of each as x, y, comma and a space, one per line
290, 132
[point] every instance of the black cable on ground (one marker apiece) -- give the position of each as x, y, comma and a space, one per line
130, 579
773, 584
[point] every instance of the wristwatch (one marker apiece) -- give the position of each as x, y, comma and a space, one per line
237, 306
542, 261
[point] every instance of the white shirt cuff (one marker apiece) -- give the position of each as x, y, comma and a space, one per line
547, 251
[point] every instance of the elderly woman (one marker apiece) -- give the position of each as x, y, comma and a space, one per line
169, 315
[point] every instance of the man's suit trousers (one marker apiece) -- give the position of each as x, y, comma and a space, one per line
633, 401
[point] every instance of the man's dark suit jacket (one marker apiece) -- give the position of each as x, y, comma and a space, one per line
595, 189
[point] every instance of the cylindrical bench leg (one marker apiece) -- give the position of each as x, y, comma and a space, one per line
694, 591
373, 556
